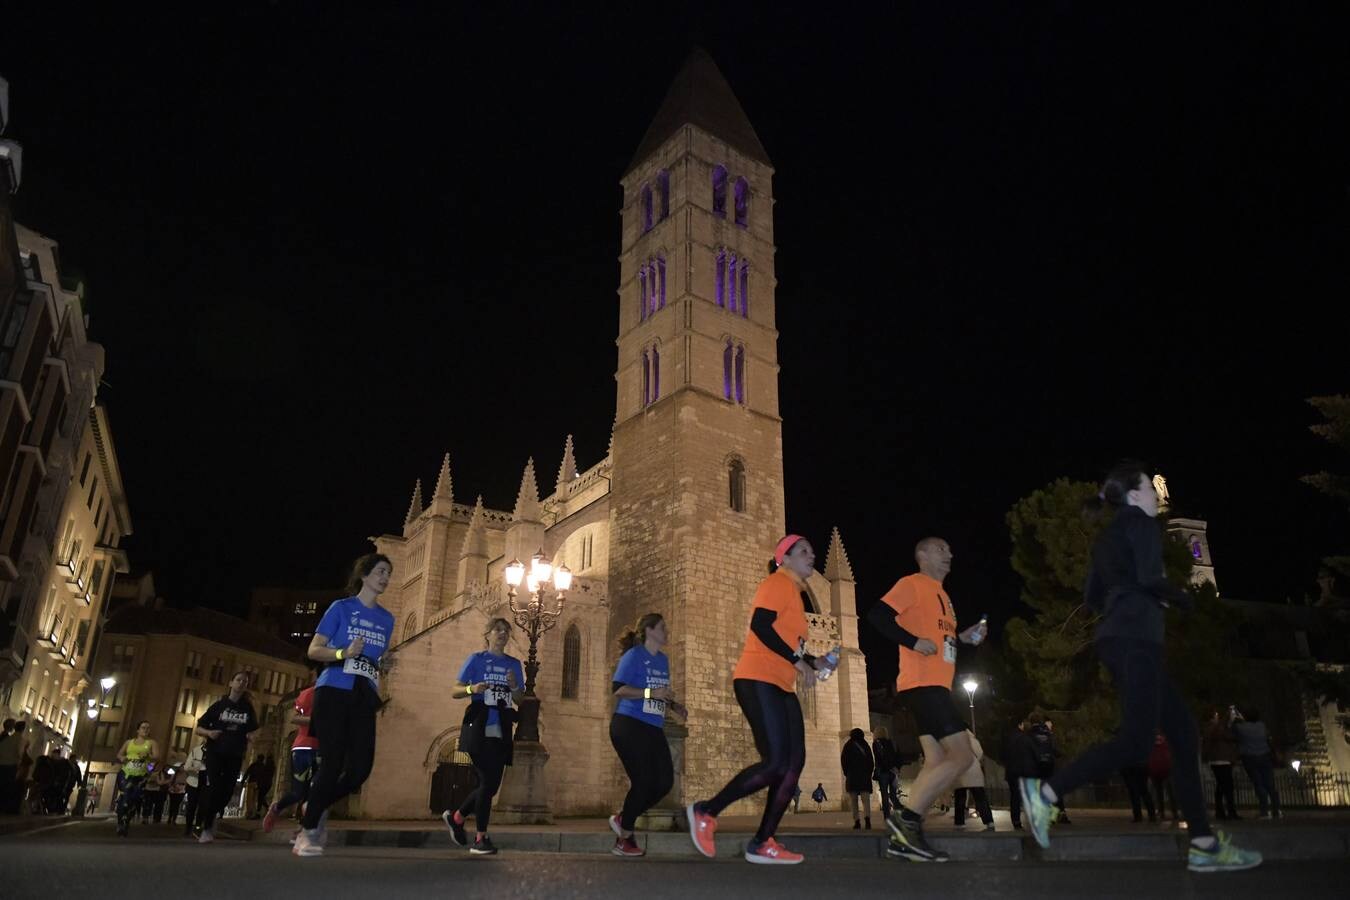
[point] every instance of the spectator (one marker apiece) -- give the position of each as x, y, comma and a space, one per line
1160, 776
887, 774
1219, 749
1253, 745
1019, 761
857, 762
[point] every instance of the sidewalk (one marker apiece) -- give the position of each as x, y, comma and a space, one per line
1094, 835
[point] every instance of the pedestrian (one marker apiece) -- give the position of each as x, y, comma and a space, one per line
887, 773
1253, 745
641, 683
156, 793
304, 752
351, 639
1218, 748
177, 790
1043, 739
1128, 589
227, 726
858, 764
918, 615
1160, 776
765, 682
136, 756
1019, 761
493, 680
818, 794
195, 768
1135, 777
970, 785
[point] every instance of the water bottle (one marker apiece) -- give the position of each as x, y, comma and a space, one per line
832, 661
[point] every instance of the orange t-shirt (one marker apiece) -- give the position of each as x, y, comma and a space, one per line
923, 609
782, 593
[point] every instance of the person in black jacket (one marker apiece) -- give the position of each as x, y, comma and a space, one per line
1019, 761
856, 761
1129, 591
1042, 734
887, 762
227, 726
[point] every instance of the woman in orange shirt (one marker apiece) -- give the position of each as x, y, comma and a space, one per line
765, 683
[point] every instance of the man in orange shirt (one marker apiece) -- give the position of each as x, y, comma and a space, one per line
918, 615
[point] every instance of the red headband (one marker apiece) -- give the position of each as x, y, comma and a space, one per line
784, 546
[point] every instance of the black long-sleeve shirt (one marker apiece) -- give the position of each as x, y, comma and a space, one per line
1126, 584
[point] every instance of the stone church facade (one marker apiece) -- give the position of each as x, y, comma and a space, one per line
679, 517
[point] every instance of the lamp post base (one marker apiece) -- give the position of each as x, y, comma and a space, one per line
524, 795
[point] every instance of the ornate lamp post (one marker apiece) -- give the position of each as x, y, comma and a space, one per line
94, 710
971, 685
535, 619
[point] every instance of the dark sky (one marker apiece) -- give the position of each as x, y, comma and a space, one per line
323, 247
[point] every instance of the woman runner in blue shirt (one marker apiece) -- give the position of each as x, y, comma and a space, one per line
642, 685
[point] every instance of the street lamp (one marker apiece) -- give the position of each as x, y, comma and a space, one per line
971, 685
94, 710
535, 619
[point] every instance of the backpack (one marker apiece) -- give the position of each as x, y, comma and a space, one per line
1043, 744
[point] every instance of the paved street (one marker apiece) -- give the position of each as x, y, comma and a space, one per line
155, 864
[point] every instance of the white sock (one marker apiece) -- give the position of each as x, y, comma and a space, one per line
1049, 794
1205, 843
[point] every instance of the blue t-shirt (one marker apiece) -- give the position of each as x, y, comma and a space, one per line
344, 622
640, 669
483, 666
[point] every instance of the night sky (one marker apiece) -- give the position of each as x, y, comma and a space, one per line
324, 247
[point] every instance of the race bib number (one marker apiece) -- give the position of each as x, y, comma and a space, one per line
359, 665
949, 649
498, 695
654, 708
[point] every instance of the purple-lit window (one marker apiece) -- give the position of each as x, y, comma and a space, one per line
740, 374
661, 281
731, 283
742, 202
721, 278
656, 374
651, 288
646, 208
719, 188
642, 294
646, 379
663, 185
1196, 550
745, 288
727, 355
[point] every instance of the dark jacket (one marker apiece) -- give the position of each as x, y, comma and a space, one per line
1218, 745
1160, 759
856, 761
474, 724
1043, 744
884, 757
1019, 755
1126, 584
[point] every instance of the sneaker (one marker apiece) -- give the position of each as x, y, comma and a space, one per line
456, 828
907, 841
1038, 811
1224, 857
615, 826
323, 829
122, 829
307, 843
1062, 818
771, 853
206, 836
702, 829
483, 847
626, 847
270, 820
295, 836
990, 827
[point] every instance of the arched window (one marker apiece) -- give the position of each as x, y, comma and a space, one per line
728, 354
642, 294
719, 189
656, 374
1196, 550
663, 185
571, 674
731, 283
410, 626
742, 202
661, 281
736, 485
646, 208
745, 288
646, 380
721, 278
651, 288
740, 374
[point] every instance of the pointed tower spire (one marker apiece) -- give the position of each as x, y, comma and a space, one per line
415, 508
475, 539
568, 470
837, 566
527, 500
444, 487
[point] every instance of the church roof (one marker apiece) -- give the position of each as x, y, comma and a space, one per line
700, 96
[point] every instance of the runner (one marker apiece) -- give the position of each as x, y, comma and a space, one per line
195, 767
136, 756
493, 680
227, 725
642, 685
765, 682
304, 750
1127, 587
350, 639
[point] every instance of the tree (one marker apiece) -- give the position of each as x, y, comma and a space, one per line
1335, 429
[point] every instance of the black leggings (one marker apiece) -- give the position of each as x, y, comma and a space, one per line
130, 800
222, 772
1225, 803
979, 798
302, 773
645, 755
344, 723
1148, 700
775, 718
488, 762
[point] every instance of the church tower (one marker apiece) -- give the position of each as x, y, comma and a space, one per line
697, 501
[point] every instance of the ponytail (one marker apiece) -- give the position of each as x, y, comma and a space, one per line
1124, 477
637, 635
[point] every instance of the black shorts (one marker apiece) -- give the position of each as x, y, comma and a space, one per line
934, 711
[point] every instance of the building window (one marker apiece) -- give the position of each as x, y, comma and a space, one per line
571, 677
124, 657
745, 288
84, 469
98, 514
731, 283
663, 186
661, 282
742, 202
218, 671
194, 665
42, 708
719, 191
252, 673
642, 294
1196, 550
740, 374
646, 208
93, 488
736, 485
31, 701
115, 696
646, 380
182, 738
187, 702
312, 606
728, 355
721, 291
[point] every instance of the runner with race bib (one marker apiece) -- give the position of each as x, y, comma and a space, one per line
352, 636
642, 685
